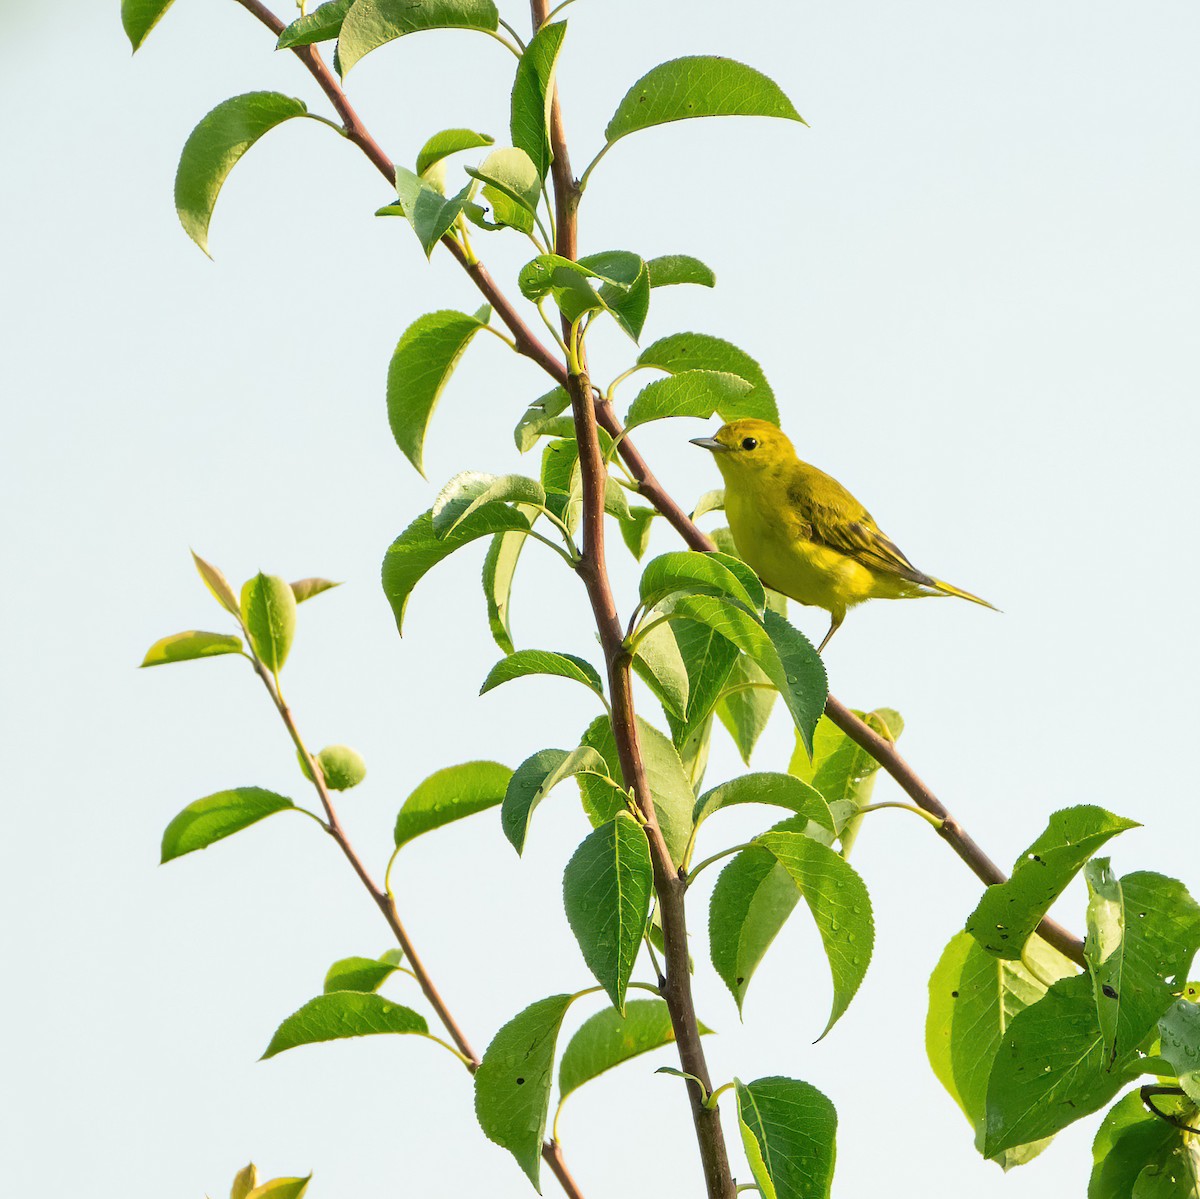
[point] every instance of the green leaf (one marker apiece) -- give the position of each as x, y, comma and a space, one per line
217, 816
186, 647
700, 351
1104, 946
428, 211
360, 974
839, 768
344, 1014
778, 790
784, 654
540, 661
1179, 1035
269, 614
753, 897
449, 141
789, 1130
708, 660
218, 585
533, 88
499, 569
373, 23
697, 393
1010, 911
323, 24
537, 776
416, 551
510, 174
1139, 1156
305, 589
449, 795
606, 893
609, 1038
549, 274
512, 1084
973, 997
470, 491
1050, 1069
281, 1188
627, 297
659, 662
635, 530
710, 501
214, 148
745, 705
699, 86
140, 16
668, 782
541, 418
421, 366
672, 269
702, 574
840, 905
244, 1181
1054, 1064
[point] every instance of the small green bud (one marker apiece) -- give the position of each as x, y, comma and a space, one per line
342, 767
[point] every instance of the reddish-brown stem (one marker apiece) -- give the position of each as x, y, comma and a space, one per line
669, 886
551, 1152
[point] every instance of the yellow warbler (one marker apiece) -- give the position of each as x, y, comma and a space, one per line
803, 533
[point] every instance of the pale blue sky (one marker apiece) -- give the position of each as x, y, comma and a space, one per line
973, 284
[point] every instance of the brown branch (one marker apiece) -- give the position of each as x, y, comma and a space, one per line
669, 886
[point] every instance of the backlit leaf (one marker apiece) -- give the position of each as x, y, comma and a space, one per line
340, 1014
1179, 1035
269, 614
1010, 911
470, 491
512, 1084
672, 269
361, 974
186, 647
218, 585
214, 148
140, 16
449, 141
217, 816
1139, 1156
451, 794
538, 775
539, 661
499, 569
428, 211
704, 574
777, 790
745, 705
305, 589
697, 393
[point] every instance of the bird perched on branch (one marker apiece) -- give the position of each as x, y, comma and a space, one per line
803, 533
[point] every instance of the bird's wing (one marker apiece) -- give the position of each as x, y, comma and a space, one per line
832, 517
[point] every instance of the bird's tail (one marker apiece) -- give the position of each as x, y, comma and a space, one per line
947, 589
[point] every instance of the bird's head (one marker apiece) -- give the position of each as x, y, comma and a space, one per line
747, 447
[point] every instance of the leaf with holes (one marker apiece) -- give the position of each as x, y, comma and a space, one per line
606, 893
451, 794
1010, 911
512, 1084
973, 997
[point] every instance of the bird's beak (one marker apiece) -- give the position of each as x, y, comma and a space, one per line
709, 443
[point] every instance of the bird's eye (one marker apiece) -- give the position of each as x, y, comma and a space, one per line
749, 444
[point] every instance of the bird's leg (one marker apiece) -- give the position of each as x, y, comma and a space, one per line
834, 624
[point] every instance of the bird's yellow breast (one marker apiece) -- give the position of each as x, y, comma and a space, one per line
773, 539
